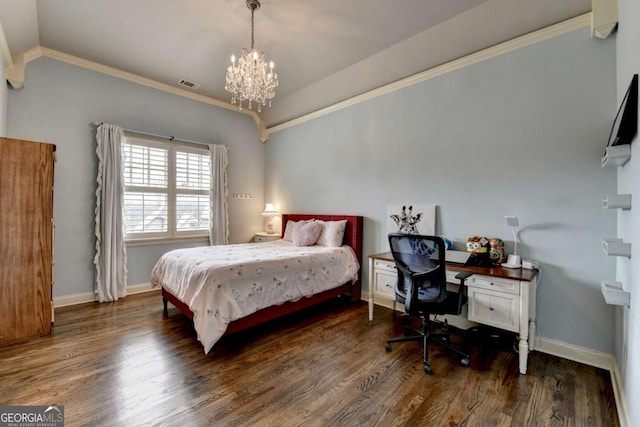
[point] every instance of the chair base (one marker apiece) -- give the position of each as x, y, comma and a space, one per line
425, 336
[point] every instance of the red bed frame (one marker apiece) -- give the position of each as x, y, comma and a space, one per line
352, 237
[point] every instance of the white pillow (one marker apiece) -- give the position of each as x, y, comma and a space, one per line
307, 234
290, 228
332, 233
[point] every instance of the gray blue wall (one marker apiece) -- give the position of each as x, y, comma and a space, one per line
59, 103
628, 272
520, 134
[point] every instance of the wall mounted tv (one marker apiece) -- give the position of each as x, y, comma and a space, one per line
625, 124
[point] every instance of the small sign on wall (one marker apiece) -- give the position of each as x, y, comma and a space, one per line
412, 219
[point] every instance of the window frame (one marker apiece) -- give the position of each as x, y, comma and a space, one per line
172, 234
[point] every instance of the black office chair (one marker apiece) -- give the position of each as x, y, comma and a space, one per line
422, 288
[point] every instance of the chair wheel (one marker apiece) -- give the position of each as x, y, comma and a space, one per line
388, 347
465, 362
428, 369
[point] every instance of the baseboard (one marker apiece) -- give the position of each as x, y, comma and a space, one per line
620, 395
140, 288
85, 297
576, 353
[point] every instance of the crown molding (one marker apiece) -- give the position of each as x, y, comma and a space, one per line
14, 67
264, 131
40, 51
551, 31
604, 18
5, 53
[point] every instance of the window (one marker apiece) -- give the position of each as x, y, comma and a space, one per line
166, 189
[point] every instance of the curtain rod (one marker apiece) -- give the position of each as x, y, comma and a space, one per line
169, 137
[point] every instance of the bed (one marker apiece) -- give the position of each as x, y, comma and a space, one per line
223, 301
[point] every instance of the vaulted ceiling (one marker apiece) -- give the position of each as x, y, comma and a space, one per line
325, 50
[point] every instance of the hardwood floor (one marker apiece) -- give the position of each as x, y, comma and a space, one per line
124, 364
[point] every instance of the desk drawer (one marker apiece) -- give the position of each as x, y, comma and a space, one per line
384, 283
389, 266
494, 284
498, 309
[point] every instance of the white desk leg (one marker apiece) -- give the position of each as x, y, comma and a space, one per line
532, 333
370, 289
533, 290
523, 350
523, 344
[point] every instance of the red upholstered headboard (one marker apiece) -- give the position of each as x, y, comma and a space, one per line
352, 233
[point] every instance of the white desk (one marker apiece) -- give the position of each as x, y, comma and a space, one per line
500, 297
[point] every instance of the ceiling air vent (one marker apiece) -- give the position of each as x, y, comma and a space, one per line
187, 83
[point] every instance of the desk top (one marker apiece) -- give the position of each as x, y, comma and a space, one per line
521, 274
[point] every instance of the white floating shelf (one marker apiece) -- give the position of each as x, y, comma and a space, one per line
617, 201
614, 294
616, 247
616, 155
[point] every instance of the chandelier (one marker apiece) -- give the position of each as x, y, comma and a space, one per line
251, 79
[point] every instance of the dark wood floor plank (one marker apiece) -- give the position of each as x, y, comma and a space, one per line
124, 363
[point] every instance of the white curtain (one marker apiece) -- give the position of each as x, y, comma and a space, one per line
219, 233
111, 252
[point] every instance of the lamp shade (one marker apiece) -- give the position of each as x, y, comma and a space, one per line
270, 209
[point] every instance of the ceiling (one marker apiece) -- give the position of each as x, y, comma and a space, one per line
325, 50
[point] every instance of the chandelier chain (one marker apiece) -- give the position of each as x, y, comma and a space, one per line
252, 24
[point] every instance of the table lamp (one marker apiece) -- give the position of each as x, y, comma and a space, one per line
270, 212
513, 260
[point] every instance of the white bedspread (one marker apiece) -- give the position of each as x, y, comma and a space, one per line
224, 283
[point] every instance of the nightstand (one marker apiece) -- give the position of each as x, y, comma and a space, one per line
262, 236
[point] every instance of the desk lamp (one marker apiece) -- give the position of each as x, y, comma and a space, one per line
270, 212
513, 260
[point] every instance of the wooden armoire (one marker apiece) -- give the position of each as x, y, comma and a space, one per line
26, 239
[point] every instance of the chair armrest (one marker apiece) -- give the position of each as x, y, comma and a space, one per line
462, 276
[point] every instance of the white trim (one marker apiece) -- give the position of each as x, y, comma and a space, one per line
140, 288
14, 67
573, 352
73, 299
167, 241
620, 395
5, 53
604, 18
85, 297
264, 132
482, 55
40, 51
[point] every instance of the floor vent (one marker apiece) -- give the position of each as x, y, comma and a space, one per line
187, 83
